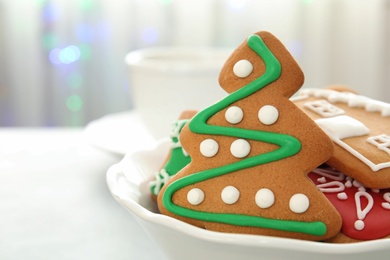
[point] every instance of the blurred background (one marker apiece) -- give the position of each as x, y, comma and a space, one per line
62, 61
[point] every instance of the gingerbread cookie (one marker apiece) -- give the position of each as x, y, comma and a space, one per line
365, 212
360, 128
251, 152
177, 158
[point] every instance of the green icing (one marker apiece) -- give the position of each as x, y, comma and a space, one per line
177, 160
288, 146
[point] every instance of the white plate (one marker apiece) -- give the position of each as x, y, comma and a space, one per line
128, 181
119, 133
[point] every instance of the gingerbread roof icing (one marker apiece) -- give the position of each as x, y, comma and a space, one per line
360, 129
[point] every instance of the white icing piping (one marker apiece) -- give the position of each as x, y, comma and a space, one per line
353, 100
160, 178
333, 186
386, 197
369, 163
382, 142
336, 176
175, 133
324, 108
362, 213
338, 187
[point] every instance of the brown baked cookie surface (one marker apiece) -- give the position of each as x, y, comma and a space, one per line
251, 153
360, 129
365, 212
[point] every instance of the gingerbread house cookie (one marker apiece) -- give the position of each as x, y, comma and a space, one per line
251, 153
360, 129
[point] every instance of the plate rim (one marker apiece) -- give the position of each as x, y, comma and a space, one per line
247, 240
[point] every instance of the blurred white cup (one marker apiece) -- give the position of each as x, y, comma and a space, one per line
168, 80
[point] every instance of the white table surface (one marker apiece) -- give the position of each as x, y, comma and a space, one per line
55, 204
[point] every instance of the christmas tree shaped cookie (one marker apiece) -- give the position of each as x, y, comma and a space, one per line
251, 153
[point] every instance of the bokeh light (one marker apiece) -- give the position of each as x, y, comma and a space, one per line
51, 12
86, 5
69, 54
74, 103
54, 56
41, 3
66, 55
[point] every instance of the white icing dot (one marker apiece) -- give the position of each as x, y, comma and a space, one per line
348, 184
356, 184
209, 147
342, 196
234, 115
359, 224
264, 198
321, 180
299, 203
230, 194
240, 148
361, 188
268, 114
375, 190
195, 196
242, 68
